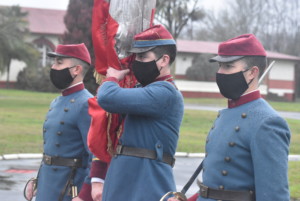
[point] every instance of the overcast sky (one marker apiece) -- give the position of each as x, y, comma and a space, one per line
51, 4
63, 4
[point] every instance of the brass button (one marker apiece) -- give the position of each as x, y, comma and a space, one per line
237, 129
158, 146
231, 144
224, 173
244, 115
66, 109
221, 187
62, 122
59, 133
227, 159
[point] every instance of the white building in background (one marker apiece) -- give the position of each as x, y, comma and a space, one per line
47, 26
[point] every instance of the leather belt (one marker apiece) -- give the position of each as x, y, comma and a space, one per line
59, 161
144, 153
229, 195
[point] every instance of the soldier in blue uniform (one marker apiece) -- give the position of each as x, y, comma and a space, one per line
248, 145
65, 166
142, 166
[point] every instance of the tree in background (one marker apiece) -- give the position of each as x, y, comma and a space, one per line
239, 17
175, 15
202, 69
78, 23
13, 31
275, 22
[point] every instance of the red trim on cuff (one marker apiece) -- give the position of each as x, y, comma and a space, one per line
86, 192
111, 79
98, 169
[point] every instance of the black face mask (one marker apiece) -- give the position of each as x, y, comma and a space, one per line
61, 79
232, 86
145, 72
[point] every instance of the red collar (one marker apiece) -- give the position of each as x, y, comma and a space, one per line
73, 89
244, 99
168, 78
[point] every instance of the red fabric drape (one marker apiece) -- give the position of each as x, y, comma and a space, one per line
105, 128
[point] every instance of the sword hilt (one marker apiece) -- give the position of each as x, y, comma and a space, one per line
178, 195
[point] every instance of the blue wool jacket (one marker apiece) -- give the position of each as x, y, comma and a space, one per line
65, 135
247, 150
154, 114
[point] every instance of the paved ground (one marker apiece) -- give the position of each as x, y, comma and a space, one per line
15, 173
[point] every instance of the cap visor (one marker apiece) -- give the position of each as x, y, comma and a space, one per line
54, 54
225, 59
141, 49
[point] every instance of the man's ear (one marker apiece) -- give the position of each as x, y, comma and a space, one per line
255, 72
165, 60
78, 70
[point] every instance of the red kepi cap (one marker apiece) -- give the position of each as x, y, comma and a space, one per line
238, 47
150, 38
78, 51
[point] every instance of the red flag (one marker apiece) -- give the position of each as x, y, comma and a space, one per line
104, 29
104, 131
106, 128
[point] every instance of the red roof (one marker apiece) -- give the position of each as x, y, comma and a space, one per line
45, 21
190, 46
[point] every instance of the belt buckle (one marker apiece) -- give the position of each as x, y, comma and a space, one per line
48, 160
119, 149
203, 191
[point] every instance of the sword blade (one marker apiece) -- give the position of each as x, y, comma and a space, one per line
266, 72
192, 179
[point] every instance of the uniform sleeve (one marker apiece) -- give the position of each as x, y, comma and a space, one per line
270, 149
83, 123
98, 168
151, 100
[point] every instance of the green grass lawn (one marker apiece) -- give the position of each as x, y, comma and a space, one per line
22, 115
21, 119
